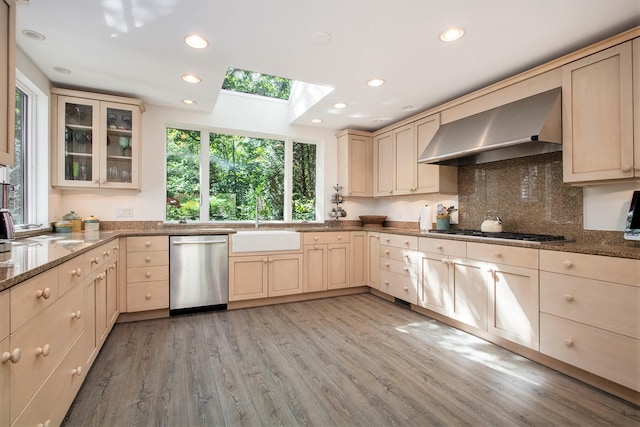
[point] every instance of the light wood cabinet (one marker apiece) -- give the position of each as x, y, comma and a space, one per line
265, 275
404, 160
358, 258
383, 165
147, 273
97, 140
432, 178
435, 276
589, 314
7, 81
5, 352
598, 139
373, 260
399, 267
326, 260
355, 163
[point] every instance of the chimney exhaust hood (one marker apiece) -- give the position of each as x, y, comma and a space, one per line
522, 128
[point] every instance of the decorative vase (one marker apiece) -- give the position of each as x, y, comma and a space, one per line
443, 223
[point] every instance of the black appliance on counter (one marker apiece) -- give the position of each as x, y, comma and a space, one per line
502, 236
632, 229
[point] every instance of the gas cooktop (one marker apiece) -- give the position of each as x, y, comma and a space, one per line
503, 235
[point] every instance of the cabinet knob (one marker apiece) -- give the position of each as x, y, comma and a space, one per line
147, 296
94, 260
315, 238
264, 261
147, 274
568, 297
43, 351
271, 260
497, 254
77, 371
330, 248
116, 247
106, 253
387, 252
406, 269
13, 357
44, 293
76, 315
77, 272
439, 247
405, 289
406, 242
567, 264
626, 168
387, 239
568, 342
147, 259
339, 237
315, 246
444, 261
147, 243
386, 264
386, 282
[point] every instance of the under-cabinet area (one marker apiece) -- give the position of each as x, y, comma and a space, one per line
574, 312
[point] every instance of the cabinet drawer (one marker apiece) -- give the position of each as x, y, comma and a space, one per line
399, 254
605, 305
70, 274
5, 310
400, 286
96, 258
147, 243
64, 383
145, 296
400, 267
43, 342
32, 297
453, 248
147, 274
610, 269
500, 254
151, 258
604, 353
399, 241
326, 237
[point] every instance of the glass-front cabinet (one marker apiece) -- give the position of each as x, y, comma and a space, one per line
98, 140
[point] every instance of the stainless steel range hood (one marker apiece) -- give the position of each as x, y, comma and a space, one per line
526, 127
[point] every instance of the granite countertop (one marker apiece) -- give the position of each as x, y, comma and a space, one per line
33, 255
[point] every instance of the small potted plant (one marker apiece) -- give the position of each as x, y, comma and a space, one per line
443, 217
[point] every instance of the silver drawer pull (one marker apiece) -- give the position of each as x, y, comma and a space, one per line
200, 242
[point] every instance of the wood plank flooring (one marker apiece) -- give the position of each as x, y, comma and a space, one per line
347, 361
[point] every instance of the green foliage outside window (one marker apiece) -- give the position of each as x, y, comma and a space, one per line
257, 84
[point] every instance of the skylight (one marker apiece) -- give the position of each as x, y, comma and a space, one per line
253, 83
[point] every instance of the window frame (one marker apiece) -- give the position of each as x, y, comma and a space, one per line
288, 173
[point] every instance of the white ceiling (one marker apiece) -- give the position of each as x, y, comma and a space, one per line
135, 47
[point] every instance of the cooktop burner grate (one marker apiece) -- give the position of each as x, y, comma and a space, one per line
503, 235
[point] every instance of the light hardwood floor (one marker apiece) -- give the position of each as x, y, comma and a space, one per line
347, 361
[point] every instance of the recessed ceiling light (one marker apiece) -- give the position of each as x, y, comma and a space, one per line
316, 120
379, 120
190, 78
451, 34
407, 108
375, 82
340, 105
189, 102
33, 35
195, 41
62, 70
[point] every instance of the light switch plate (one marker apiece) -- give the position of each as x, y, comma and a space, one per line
124, 213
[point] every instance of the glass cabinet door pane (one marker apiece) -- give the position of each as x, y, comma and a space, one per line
119, 145
78, 134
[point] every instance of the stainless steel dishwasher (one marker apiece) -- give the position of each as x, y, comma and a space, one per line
198, 273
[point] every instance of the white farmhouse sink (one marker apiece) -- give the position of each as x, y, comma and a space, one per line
265, 240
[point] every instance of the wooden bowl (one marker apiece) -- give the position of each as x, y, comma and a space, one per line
373, 219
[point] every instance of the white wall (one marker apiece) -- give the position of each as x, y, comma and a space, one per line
606, 206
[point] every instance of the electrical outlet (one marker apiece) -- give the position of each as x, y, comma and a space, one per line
124, 213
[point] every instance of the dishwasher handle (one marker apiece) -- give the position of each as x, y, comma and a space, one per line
198, 242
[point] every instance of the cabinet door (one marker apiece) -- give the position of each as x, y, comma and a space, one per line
5, 367
112, 295
373, 266
78, 161
405, 160
285, 275
358, 261
7, 81
338, 266
248, 277
469, 292
434, 292
89, 314
355, 164
514, 305
315, 268
432, 178
383, 165
598, 116
101, 307
120, 144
